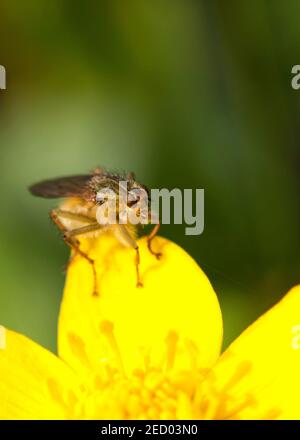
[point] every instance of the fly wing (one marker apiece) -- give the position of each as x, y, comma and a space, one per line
73, 186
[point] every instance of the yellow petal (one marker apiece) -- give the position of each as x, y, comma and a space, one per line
258, 376
173, 321
34, 384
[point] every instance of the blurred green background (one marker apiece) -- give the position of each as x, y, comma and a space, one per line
188, 94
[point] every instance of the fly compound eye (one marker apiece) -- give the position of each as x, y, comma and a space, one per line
131, 203
134, 196
105, 195
99, 198
137, 195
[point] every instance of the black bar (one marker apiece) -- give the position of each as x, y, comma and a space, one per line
97, 430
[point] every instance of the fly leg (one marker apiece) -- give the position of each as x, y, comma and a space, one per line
56, 214
130, 242
83, 218
150, 238
70, 239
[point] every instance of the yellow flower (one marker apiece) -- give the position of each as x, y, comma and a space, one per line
151, 352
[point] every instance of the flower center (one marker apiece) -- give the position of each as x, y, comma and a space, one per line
153, 392
143, 395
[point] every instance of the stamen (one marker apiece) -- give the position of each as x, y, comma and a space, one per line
219, 404
78, 348
271, 414
107, 329
171, 341
55, 391
242, 370
193, 352
249, 401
